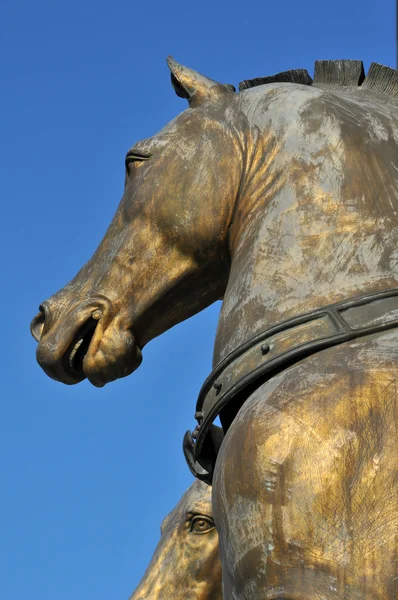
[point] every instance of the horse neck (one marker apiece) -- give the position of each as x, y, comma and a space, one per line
316, 223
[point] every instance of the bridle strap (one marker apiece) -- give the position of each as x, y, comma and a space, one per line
260, 358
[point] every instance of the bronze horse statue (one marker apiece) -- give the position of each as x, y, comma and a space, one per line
186, 564
282, 200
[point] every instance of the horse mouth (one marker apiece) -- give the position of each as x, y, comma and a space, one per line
77, 350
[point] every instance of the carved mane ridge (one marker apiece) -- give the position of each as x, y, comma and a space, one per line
335, 73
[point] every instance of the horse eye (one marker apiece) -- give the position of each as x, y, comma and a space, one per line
201, 524
135, 158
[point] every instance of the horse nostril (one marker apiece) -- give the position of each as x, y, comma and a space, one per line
37, 324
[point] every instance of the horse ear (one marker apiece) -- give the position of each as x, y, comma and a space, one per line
193, 86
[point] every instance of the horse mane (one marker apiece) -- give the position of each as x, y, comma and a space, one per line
335, 73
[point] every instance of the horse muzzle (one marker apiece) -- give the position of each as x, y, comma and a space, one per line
88, 342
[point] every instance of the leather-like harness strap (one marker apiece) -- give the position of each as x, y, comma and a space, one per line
258, 359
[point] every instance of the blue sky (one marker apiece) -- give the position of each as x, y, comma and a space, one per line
88, 474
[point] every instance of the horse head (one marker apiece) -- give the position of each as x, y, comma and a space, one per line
186, 562
165, 255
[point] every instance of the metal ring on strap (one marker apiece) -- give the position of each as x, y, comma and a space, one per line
258, 359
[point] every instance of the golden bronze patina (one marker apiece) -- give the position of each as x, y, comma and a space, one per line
186, 564
281, 199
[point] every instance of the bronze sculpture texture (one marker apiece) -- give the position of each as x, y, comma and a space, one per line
281, 200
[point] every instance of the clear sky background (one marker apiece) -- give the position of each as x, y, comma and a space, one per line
88, 474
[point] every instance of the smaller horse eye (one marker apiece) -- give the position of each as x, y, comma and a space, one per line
135, 158
201, 524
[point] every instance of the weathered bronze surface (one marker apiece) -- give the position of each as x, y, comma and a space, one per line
280, 199
271, 351
186, 564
